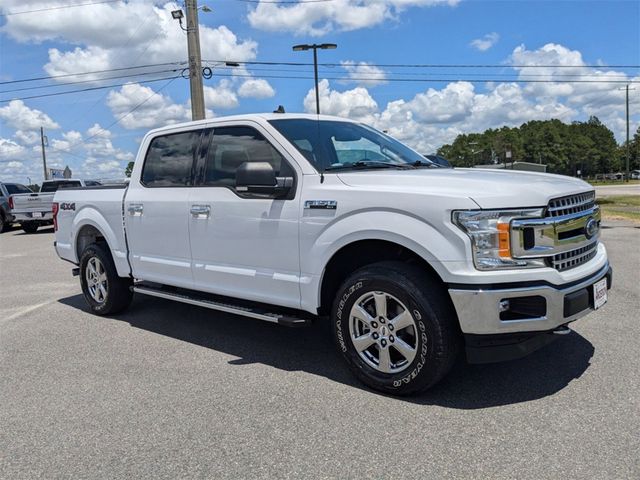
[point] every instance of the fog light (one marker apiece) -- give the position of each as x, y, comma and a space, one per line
503, 306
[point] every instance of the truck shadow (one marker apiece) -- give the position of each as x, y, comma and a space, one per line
311, 350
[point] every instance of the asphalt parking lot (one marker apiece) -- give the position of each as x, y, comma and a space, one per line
167, 390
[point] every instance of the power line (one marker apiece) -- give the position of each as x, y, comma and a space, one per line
89, 81
77, 74
85, 89
57, 7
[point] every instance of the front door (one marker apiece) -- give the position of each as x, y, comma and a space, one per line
157, 212
244, 245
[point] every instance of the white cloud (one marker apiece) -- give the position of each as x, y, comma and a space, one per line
153, 110
486, 42
221, 96
363, 73
10, 150
17, 115
256, 88
320, 18
356, 103
117, 35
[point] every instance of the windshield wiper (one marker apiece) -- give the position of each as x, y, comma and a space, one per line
364, 164
428, 164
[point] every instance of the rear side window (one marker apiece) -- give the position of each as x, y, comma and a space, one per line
48, 187
170, 160
14, 188
233, 146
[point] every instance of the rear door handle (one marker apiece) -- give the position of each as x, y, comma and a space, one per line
200, 211
135, 209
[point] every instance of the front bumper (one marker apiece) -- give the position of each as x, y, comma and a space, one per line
540, 308
33, 217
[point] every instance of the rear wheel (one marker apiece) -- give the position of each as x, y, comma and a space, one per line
3, 224
395, 327
104, 291
29, 227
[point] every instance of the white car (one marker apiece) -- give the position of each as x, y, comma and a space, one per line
298, 218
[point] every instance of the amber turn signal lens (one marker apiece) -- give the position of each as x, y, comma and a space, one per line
504, 243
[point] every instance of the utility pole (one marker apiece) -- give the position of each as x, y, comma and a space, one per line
44, 155
627, 166
195, 61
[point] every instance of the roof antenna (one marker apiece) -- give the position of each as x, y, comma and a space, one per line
280, 109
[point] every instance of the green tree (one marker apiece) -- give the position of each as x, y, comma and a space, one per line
129, 169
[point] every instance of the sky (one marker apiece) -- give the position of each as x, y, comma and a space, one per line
96, 131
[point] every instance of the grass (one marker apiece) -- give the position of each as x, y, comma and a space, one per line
620, 207
621, 183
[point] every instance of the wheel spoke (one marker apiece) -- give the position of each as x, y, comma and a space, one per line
363, 342
362, 315
406, 350
384, 362
103, 292
401, 321
92, 267
381, 304
102, 278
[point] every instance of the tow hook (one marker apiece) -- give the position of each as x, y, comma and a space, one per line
562, 330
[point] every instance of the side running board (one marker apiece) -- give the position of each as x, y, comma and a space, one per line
225, 304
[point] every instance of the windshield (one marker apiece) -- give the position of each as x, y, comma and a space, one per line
13, 188
336, 145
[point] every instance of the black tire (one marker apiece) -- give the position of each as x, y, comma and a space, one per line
118, 292
436, 337
3, 224
29, 227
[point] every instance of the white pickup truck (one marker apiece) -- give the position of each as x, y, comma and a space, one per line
291, 218
33, 210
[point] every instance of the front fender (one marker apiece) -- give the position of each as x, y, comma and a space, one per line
437, 246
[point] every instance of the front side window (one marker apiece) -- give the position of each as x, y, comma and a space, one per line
170, 159
231, 147
336, 145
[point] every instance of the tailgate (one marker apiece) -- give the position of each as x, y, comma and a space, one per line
32, 202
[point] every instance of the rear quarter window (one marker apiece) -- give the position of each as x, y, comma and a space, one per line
170, 160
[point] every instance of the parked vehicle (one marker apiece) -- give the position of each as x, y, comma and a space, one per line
635, 174
33, 210
6, 190
294, 218
439, 160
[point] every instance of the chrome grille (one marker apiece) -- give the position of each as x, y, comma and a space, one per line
571, 204
573, 258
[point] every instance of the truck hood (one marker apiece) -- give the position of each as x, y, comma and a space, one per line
487, 187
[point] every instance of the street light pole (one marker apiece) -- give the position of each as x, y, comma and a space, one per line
44, 155
315, 47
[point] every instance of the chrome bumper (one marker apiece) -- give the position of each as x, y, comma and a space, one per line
28, 217
479, 309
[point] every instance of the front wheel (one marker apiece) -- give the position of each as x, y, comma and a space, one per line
104, 291
395, 327
29, 227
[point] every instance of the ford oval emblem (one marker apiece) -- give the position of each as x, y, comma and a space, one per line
591, 228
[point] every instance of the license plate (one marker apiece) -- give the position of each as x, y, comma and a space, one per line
599, 293
36, 215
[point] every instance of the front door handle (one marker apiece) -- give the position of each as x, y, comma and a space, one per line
200, 211
135, 209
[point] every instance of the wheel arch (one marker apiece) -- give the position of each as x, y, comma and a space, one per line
90, 227
359, 253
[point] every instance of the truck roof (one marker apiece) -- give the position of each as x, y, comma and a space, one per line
251, 116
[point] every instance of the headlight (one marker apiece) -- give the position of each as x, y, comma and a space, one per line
490, 234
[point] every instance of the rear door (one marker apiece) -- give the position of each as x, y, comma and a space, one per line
244, 245
156, 210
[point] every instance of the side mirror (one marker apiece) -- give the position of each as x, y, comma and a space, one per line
259, 177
